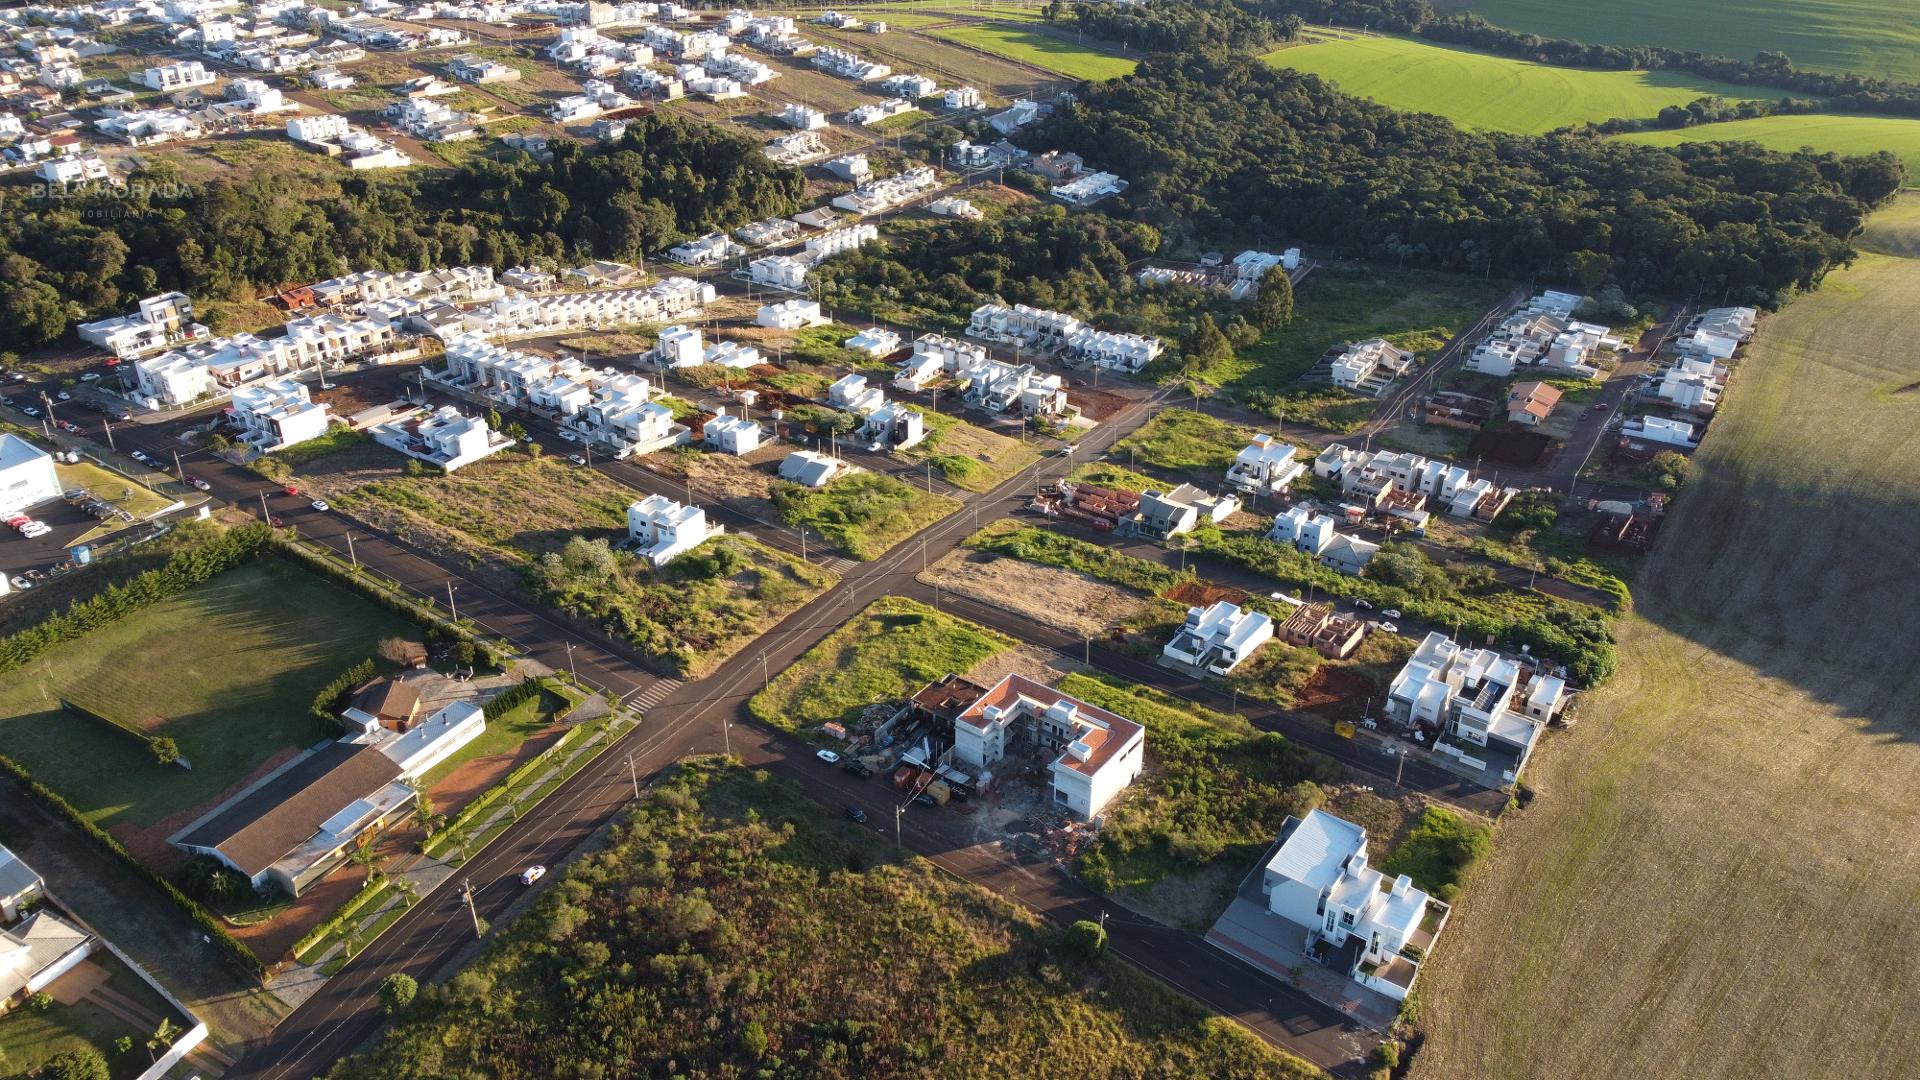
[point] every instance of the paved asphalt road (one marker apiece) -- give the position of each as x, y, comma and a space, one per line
700, 717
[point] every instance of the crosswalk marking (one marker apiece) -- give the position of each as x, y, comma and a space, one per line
655, 693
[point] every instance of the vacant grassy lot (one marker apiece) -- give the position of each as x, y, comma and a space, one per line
1184, 439
1734, 816
1479, 90
1346, 302
885, 653
862, 514
1877, 37
228, 671
511, 507
1838, 134
1041, 50
29, 1038
971, 457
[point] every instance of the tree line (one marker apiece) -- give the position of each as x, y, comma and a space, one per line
1180, 25
1219, 147
95, 251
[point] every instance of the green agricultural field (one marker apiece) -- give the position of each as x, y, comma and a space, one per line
1877, 37
228, 671
1838, 134
1758, 757
1493, 93
1041, 50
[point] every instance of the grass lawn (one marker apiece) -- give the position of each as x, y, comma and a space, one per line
227, 670
1486, 92
971, 457
28, 1038
339, 437
510, 507
887, 652
1870, 36
1342, 302
1184, 439
862, 514
1756, 757
1831, 133
1041, 50
110, 486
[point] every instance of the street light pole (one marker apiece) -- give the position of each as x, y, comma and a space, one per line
570, 668
452, 612
466, 893
634, 775
896, 825
350, 554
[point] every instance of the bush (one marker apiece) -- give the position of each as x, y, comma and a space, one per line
1528, 510
1440, 851
84, 1064
1086, 939
397, 992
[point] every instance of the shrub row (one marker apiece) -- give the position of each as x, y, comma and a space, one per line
334, 921
492, 795
513, 697
332, 697
204, 919
150, 742
182, 571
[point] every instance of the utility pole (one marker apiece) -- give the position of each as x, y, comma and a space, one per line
726, 734
897, 809
350, 555
570, 669
923, 554
634, 775
766, 680
107, 426
466, 893
452, 612
1401, 769
264, 514
1089, 652
178, 469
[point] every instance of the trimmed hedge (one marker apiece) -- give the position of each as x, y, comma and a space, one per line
345, 911
327, 703
204, 919
182, 571
513, 697
146, 740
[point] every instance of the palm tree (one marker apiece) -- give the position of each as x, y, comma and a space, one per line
364, 856
163, 1037
409, 892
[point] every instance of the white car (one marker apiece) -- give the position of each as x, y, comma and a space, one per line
91, 376
35, 530
576, 459
139, 456
568, 435
1391, 613
827, 756
21, 583
1389, 628
321, 504
63, 396
532, 874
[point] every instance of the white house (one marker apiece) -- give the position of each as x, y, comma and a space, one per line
277, 414
1659, 429
732, 434
181, 76
708, 250
874, 341
853, 394
790, 314
443, 437
1219, 637
73, 170
38, 951
20, 885
799, 116
893, 426
1369, 366
1484, 710
679, 346
1100, 752
779, 271
661, 529
158, 321
1313, 534
1318, 879
27, 476
1089, 189
1266, 466
426, 743
960, 97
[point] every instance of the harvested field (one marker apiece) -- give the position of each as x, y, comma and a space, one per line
1756, 759
1063, 599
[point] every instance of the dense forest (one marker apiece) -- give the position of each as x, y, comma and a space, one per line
96, 250
1223, 146
729, 929
1844, 92
1181, 25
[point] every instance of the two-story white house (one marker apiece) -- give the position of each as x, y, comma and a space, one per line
1100, 752
661, 529
1266, 466
276, 414
1485, 710
1219, 637
1352, 918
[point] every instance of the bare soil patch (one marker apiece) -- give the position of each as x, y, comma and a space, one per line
1203, 593
1049, 595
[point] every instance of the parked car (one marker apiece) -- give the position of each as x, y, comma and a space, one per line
1601, 407
18, 520
63, 396
568, 436
1389, 628
854, 813
30, 411
1362, 604
925, 799
320, 504
139, 456
1391, 613
291, 490
827, 756
576, 459
91, 376
857, 768
200, 484
21, 583
532, 874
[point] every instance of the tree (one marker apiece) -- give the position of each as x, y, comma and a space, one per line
516, 430
163, 1037
493, 419
365, 857
424, 815
1086, 939
1273, 306
396, 992
1205, 341
219, 443
396, 650
165, 750
534, 450
85, 1064
463, 652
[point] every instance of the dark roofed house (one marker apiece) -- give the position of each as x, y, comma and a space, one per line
393, 704
293, 827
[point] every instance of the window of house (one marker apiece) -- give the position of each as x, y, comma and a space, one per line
1346, 918
1059, 796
